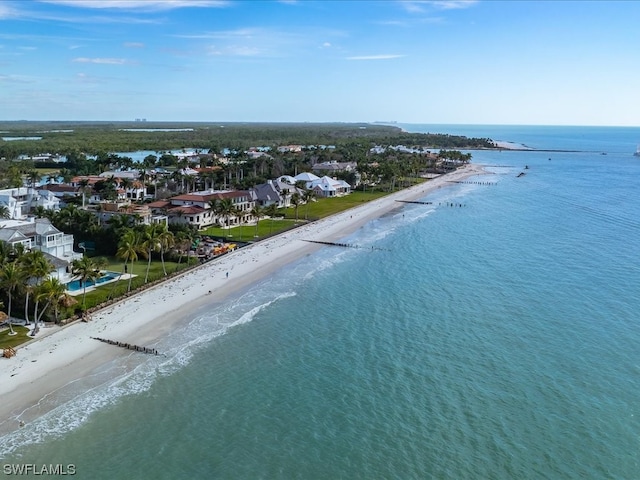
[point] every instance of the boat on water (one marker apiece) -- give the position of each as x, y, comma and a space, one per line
637, 153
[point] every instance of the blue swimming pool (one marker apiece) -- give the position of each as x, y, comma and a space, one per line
77, 285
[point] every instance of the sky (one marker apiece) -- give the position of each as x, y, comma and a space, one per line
411, 61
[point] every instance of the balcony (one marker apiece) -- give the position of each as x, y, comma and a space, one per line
59, 240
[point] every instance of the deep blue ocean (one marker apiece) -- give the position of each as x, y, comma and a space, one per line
495, 340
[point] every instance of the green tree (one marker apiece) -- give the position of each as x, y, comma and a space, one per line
150, 243
166, 240
128, 248
271, 211
87, 270
296, 200
11, 277
35, 267
258, 212
51, 291
307, 196
225, 209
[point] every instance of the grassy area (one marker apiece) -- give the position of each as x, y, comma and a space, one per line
46, 171
323, 207
246, 233
7, 340
116, 289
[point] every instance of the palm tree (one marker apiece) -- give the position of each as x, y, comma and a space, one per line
86, 269
33, 177
307, 196
4, 212
225, 209
84, 188
257, 212
52, 291
35, 267
214, 204
40, 212
296, 199
5, 252
128, 248
271, 211
184, 240
150, 243
166, 240
11, 277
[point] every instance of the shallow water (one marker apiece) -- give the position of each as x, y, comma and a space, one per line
497, 339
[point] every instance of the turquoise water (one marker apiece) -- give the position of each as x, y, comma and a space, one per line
495, 340
78, 285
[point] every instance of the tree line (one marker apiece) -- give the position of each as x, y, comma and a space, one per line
93, 138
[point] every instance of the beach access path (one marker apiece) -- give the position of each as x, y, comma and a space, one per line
64, 354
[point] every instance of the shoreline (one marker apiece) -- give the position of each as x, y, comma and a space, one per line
59, 358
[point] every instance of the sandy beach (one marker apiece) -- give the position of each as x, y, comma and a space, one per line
64, 354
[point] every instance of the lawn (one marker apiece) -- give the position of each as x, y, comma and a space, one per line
246, 233
323, 207
119, 288
13, 341
47, 171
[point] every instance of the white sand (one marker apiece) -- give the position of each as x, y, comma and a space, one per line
62, 354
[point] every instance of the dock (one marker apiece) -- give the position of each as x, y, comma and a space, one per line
417, 202
128, 346
344, 245
466, 182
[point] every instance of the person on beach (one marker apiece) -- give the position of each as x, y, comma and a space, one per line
227, 274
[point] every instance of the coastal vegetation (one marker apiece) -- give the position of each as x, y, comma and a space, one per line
94, 138
387, 159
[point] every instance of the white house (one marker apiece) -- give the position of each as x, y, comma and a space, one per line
194, 208
330, 187
21, 201
325, 186
308, 179
40, 234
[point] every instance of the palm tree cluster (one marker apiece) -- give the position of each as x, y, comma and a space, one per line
25, 280
145, 240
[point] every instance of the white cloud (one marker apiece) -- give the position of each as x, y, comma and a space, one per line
102, 61
326, 45
421, 6
21, 79
454, 4
139, 4
375, 57
133, 44
246, 33
7, 12
90, 79
234, 51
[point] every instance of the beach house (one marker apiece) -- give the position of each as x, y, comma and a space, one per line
195, 208
326, 187
21, 201
40, 234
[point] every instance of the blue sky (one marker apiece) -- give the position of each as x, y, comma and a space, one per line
459, 62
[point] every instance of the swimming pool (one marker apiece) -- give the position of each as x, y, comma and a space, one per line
76, 285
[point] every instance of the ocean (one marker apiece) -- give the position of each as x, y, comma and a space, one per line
497, 338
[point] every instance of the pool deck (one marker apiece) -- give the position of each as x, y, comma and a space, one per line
80, 291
